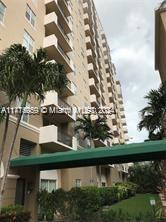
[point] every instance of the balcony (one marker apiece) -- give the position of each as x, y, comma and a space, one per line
100, 143
111, 99
94, 101
126, 138
115, 131
103, 101
92, 72
124, 122
53, 140
52, 26
125, 130
70, 90
100, 74
91, 57
115, 141
87, 7
89, 43
104, 43
106, 59
107, 68
122, 115
114, 119
86, 19
65, 6
55, 6
102, 87
55, 106
120, 101
94, 89
109, 85
55, 52
88, 30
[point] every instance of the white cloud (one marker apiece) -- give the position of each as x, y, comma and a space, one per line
129, 26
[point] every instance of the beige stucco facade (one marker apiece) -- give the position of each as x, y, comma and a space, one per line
160, 40
71, 33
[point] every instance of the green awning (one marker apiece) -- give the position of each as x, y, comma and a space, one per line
92, 157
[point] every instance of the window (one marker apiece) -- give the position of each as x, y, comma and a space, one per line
26, 147
48, 185
28, 42
2, 11
30, 16
25, 116
78, 183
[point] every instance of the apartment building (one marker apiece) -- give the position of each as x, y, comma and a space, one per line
71, 33
160, 40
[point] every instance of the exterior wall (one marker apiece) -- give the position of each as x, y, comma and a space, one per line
162, 50
85, 55
160, 41
87, 176
18, 23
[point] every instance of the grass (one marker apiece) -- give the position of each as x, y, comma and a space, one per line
136, 205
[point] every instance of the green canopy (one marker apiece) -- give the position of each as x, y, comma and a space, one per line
92, 157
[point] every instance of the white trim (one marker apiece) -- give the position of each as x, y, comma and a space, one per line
12, 176
25, 125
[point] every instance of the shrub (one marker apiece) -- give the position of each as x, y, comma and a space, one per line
60, 201
108, 195
46, 204
13, 213
84, 202
146, 177
130, 188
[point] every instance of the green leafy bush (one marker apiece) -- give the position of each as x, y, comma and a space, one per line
108, 195
13, 213
146, 177
127, 190
82, 204
46, 204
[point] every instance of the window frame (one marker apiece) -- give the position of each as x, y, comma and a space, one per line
48, 181
32, 15
78, 184
28, 41
3, 13
27, 115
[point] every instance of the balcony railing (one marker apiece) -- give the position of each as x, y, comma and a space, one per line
63, 104
64, 138
66, 19
83, 143
64, 34
64, 54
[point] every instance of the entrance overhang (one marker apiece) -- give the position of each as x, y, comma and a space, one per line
127, 153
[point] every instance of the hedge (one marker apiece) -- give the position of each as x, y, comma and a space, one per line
14, 213
81, 203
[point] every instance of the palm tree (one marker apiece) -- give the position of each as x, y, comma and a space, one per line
23, 75
93, 130
153, 119
153, 116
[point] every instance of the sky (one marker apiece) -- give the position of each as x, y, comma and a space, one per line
129, 27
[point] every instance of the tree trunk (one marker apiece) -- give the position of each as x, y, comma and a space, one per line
6, 167
4, 136
98, 168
